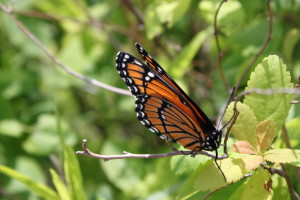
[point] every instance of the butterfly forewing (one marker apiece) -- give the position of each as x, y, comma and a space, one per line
162, 106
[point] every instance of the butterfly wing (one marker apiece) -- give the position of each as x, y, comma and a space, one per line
163, 107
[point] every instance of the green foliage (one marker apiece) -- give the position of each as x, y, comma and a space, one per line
41, 190
44, 111
271, 73
73, 189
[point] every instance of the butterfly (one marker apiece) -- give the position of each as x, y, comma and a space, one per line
163, 107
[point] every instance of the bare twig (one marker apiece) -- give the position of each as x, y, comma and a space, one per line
262, 48
220, 53
56, 61
85, 151
134, 10
236, 114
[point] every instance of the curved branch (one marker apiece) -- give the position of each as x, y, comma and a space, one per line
262, 48
58, 62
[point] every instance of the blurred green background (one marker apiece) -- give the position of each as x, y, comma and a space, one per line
42, 106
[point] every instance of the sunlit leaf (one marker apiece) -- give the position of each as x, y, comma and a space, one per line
270, 73
245, 125
210, 177
282, 155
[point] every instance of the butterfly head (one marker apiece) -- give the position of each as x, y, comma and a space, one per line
212, 141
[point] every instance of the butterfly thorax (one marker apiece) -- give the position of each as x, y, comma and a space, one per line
212, 142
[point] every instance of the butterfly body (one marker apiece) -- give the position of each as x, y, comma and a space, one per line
163, 107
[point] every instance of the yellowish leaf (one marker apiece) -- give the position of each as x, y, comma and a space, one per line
210, 177
282, 155
264, 135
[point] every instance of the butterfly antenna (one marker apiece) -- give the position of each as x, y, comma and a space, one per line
219, 166
228, 101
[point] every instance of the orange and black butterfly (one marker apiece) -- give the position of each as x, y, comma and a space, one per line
163, 107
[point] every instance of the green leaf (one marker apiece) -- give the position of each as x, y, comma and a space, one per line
245, 125
161, 13
209, 177
41, 190
59, 186
264, 135
270, 73
73, 175
235, 168
11, 127
187, 164
184, 59
188, 188
282, 155
256, 186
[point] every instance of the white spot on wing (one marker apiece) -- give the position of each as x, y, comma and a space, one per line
151, 74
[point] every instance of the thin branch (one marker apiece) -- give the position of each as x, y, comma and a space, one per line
287, 142
56, 61
220, 53
283, 173
288, 180
235, 116
134, 10
85, 151
262, 48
